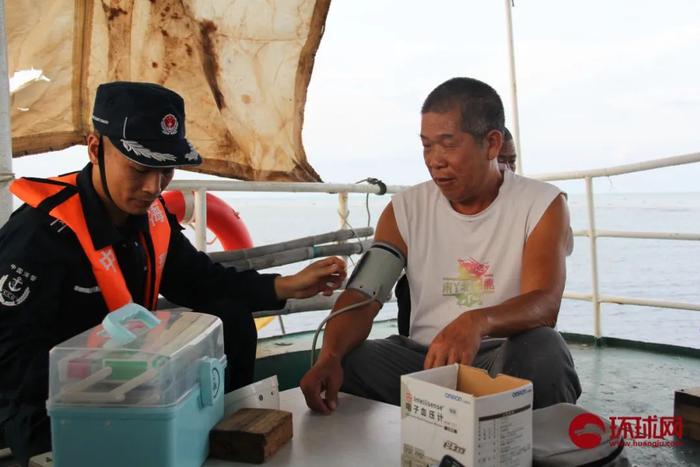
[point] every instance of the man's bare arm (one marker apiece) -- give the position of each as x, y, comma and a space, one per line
541, 286
345, 331
348, 330
542, 279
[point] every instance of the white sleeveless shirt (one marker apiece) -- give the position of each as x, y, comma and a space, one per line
459, 262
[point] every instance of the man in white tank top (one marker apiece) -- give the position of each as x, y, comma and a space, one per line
486, 267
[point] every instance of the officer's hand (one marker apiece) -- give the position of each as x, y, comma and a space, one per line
322, 276
458, 342
326, 375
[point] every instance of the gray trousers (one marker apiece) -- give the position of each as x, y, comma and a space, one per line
373, 369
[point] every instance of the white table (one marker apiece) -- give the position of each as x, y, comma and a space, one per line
360, 432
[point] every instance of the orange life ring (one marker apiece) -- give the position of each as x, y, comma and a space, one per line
222, 220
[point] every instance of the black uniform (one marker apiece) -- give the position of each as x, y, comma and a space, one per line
48, 293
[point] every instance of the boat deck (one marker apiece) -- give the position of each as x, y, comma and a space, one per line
623, 378
619, 378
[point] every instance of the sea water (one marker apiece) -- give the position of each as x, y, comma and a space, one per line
651, 269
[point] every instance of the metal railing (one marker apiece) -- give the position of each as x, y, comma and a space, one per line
595, 297
200, 188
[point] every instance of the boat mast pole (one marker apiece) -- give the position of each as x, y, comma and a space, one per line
6, 175
515, 127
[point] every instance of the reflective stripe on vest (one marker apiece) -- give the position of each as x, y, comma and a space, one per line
104, 262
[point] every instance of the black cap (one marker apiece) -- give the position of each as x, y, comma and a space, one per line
146, 122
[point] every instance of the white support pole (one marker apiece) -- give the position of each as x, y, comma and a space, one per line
515, 127
595, 298
281, 323
343, 211
200, 219
6, 174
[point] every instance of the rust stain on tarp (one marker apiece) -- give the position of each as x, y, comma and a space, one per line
210, 64
112, 12
118, 14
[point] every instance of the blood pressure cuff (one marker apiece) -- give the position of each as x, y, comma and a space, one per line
377, 272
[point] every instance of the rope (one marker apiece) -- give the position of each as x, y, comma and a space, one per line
344, 216
382, 191
6, 176
375, 181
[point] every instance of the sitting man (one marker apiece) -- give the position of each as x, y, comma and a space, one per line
94, 241
507, 156
506, 161
484, 254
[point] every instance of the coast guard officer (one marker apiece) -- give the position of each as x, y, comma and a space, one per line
89, 242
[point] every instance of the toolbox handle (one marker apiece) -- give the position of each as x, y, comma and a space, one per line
211, 380
113, 323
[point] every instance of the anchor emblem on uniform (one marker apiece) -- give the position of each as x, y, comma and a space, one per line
15, 285
14, 288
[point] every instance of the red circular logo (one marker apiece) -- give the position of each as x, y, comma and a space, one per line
169, 124
584, 437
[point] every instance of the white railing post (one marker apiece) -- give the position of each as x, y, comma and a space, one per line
592, 233
343, 214
515, 124
5, 128
343, 211
200, 216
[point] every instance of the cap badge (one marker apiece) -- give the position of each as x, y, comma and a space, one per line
169, 124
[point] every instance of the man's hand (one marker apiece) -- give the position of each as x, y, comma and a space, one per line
458, 342
322, 276
326, 375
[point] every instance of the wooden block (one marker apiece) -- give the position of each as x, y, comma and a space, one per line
250, 435
691, 430
688, 413
688, 397
686, 404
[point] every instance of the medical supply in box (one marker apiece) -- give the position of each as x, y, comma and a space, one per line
138, 390
460, 414
263, 394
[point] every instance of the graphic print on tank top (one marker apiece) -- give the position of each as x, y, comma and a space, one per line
472, 283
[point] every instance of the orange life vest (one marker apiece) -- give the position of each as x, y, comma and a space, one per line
104, 263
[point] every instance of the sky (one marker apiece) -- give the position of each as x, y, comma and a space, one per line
600, 83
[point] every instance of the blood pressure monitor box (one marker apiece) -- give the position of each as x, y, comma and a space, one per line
461, 412
141, 389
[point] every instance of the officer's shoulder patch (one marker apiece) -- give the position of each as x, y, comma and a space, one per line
57, 226
15, 285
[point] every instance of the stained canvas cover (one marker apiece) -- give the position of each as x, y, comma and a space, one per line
242, 66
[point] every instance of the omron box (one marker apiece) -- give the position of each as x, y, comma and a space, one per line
137, 390
461, 412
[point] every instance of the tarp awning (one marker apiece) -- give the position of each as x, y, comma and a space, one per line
242, 66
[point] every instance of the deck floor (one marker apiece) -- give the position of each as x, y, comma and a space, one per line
617, 379
631, 382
